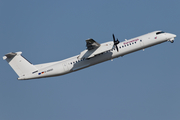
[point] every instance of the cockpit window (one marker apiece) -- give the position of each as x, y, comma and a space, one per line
159, 32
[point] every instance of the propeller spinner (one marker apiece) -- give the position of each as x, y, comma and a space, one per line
115, 42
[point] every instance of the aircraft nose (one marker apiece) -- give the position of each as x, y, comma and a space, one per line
174, 35
170, 35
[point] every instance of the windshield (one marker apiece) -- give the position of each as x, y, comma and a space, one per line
159, 32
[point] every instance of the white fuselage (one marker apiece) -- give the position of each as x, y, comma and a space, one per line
75, 63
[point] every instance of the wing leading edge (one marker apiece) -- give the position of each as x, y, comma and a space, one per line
93, 49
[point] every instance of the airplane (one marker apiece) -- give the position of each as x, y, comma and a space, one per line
94, 54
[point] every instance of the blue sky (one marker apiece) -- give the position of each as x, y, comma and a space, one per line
138, 86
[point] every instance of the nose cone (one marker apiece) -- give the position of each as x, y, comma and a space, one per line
169, 36
174, 35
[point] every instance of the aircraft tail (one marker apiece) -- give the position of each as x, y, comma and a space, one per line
19, 64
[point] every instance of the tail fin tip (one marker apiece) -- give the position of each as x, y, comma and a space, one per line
11, 54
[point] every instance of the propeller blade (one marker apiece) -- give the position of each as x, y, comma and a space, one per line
115, 42
117, 48
114, 38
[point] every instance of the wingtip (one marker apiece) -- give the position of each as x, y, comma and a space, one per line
4, 57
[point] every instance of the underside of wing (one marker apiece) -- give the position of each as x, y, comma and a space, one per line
91, 44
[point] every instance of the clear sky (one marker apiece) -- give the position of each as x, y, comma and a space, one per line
144, 85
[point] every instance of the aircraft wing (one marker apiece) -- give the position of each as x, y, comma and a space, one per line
92, 44
94, 48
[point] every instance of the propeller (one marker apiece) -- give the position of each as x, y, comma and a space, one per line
115, 42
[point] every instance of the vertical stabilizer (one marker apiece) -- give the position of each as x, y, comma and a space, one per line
19, 64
